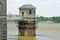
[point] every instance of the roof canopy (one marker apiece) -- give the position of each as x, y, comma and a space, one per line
27, 6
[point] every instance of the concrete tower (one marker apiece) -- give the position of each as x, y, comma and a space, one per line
3, 20
27, 22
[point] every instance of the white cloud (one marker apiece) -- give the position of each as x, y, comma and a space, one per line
57, 1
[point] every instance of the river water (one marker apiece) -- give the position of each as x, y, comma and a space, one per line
44, 31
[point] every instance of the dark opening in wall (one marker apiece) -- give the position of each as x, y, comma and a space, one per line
30, 11
22, 13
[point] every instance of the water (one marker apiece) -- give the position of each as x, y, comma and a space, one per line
11, 37
43, 32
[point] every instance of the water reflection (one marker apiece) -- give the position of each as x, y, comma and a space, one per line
26, 37
15, 37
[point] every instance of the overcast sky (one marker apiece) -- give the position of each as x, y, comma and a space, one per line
45, 8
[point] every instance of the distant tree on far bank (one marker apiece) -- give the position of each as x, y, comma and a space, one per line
54, 19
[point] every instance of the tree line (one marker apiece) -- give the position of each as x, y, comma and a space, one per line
54, 19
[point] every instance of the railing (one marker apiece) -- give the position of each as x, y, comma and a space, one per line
18, 17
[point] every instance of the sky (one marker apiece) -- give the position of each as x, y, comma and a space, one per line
46, 8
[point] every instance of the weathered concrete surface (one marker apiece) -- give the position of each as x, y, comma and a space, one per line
3, 7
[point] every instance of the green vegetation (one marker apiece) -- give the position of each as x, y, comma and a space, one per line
45, 19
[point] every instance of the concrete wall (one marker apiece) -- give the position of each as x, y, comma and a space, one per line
27, 32
3, 8
3, 20
30, 32
3, 28
26, 12
27, 16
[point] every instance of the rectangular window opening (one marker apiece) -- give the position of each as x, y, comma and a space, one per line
30, 11
22, 13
